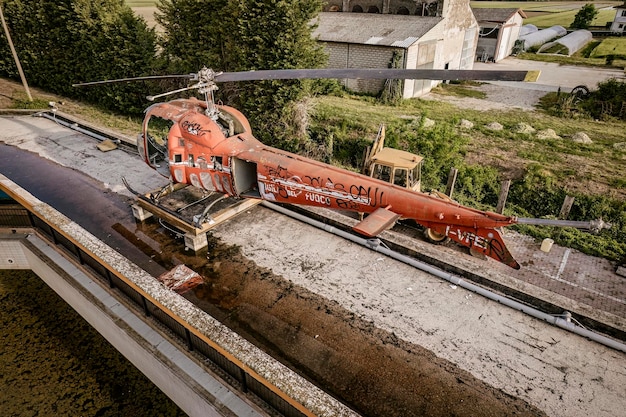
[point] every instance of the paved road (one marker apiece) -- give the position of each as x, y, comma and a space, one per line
553, 76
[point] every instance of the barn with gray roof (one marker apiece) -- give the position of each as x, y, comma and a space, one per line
398, 34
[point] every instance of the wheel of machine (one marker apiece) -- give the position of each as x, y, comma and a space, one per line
431, 235
435, 237
580, 92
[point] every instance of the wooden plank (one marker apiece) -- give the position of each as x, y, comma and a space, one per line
218, 217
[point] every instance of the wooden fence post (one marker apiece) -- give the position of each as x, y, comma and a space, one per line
451, 181
566, 207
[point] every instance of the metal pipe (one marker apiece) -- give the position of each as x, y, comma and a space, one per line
593, 225
75, 127
378, 246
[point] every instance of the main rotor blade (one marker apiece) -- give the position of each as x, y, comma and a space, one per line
382, 73
149, 77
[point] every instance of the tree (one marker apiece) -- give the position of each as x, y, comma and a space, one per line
241, 35
194, 34
61, 42
584, 17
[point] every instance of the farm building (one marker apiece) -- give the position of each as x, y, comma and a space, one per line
499, 29
619, 22
406, 34
568, 44
542, 36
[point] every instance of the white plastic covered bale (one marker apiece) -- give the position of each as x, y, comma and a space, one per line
527, 29
568, 44
542, 36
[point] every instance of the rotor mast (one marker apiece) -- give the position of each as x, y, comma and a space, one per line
205, 84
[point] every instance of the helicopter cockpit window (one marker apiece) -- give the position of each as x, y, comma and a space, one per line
153, 147
217, 162
399, 177
225, 122
382, 172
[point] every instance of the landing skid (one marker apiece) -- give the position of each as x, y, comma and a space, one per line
188, 209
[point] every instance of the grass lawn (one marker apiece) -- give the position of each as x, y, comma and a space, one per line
544, 6
610, 46
599, 161
541, 14
566, 18
545, 14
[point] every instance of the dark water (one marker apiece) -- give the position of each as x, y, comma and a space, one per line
52, 363
81, 198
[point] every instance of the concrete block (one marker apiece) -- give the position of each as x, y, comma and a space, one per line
140, 213
196, 242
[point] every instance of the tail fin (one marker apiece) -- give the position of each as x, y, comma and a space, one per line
482, 240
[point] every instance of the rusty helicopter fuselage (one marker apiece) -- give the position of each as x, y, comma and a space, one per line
212, 147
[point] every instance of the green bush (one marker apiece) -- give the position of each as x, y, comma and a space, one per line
440, 145
606, 100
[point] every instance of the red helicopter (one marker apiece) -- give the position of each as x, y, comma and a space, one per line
212, 147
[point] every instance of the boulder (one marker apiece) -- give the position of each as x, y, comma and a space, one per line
494, 126
547, 134
428, 122
466, 124
581, 137
524, 128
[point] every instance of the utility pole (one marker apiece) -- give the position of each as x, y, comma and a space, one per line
17, 61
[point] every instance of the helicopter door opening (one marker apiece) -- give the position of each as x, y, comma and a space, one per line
244, 175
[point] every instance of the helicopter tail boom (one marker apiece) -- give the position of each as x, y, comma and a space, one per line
487, 241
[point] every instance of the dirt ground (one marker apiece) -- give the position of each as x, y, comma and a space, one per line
48, 363
370, 368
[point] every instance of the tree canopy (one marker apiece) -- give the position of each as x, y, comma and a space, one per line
584, 17
61, 42
241, 35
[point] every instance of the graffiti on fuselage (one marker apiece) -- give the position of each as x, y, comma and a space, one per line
316, 190
488, 245
193, 128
